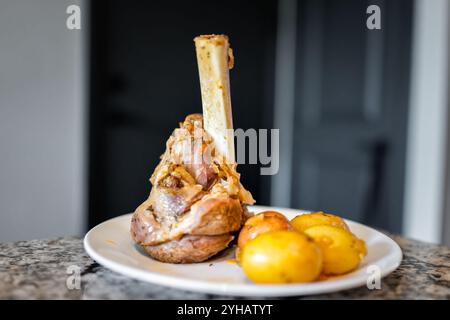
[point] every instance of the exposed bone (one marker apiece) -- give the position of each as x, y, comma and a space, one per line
214, 59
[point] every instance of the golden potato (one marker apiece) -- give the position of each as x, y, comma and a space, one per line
281, 257
308, 220
263, 222
342, 251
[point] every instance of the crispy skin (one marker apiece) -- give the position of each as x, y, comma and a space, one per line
189, 249
216, 214
212, 215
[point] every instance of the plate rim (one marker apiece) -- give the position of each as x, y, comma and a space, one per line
242, 290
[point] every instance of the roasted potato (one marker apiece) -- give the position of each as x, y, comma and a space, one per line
308, 220
263, 222
281, 257
342, 251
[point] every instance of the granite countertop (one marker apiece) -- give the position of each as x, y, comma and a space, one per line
38, 269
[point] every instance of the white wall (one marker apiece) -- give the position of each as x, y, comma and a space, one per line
426, 150
42, 114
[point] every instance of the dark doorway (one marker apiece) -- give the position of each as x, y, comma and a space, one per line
351, 110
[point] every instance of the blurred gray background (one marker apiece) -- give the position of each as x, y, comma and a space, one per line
42, 121
363, 114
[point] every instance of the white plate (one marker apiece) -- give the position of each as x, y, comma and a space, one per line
110, 244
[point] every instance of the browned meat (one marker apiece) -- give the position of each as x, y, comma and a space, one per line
196, 201
189, 249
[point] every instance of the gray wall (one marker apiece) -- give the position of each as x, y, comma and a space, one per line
41, 121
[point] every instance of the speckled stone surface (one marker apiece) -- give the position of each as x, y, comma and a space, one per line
38, 270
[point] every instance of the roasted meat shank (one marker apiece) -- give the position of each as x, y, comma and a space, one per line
197, 202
